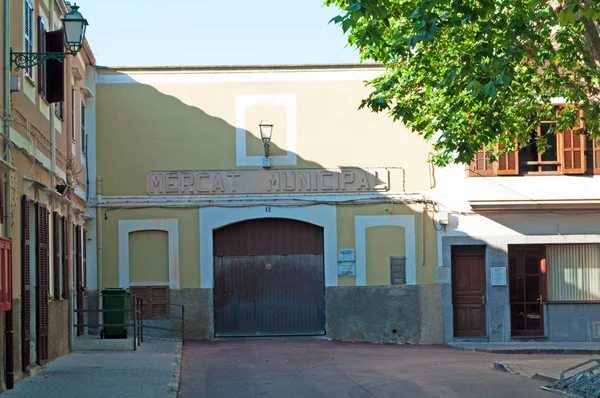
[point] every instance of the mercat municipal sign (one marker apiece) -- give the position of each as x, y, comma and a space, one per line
266, 181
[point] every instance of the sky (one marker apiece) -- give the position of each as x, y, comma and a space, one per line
213, 32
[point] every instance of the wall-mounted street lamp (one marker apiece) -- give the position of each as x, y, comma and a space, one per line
74, 25
266, 131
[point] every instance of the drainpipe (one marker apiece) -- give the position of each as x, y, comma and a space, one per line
9, 343
99, 233
52, 122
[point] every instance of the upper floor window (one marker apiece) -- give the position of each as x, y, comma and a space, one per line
73, 113
83, 140
567, 152
59, 110
41, 69
28, 33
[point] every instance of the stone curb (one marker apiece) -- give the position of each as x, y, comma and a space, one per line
176, 378
530, 351
547, 379
501, 367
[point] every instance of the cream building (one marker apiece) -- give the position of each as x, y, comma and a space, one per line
334, 238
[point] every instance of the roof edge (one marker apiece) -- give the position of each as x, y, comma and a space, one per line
226, 68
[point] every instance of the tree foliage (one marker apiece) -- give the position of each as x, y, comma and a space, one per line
474, 74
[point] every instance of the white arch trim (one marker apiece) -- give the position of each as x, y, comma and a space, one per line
128, 226
212, 218
361, 224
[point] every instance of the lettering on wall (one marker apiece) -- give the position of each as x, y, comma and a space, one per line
266, 181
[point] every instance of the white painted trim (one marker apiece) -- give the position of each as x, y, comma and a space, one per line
237, 77
212, 218
259, 199
80, 192
242, 103
22, 142
128, 226
361, 223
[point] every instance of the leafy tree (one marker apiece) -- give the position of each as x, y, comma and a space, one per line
474, 74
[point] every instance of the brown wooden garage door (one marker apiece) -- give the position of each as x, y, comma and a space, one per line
269, 278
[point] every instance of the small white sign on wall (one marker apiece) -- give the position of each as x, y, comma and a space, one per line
346, 268
498, 276
346, 255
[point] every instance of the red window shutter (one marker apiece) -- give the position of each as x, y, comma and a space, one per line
65, 264
55, 70
25, 284
573, 151
481, 165
6, 263
56, 258
43, 281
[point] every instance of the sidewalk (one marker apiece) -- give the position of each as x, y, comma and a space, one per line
530, 348
152, 371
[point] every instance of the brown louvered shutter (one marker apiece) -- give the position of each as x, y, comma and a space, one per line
573, 151
65, 264
508, 163
56, 257
25, 284
79, 280
142, 292
596, 156
155, 299
55, 70
43, 281
481, 165
160, 299
41, 69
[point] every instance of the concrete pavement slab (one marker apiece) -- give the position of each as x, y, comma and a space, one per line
152, 371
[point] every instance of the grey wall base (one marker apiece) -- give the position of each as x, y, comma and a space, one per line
385, 314
572, 322
354, 313
563, 322
199, 318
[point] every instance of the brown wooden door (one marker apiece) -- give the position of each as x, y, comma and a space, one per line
527, 273
25, 284
269, 279
42, 282
468, 292
79, 281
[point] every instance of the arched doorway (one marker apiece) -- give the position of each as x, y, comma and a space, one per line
269, 278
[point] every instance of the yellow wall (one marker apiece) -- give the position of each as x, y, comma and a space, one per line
425, 264
383, 242
189, 238
191, 126
149, 256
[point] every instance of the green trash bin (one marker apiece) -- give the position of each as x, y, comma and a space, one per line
116, 299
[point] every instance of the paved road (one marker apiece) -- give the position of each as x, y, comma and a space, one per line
319, 368
151, 372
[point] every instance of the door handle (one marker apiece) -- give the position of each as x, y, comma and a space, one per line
482, 298
539, 298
